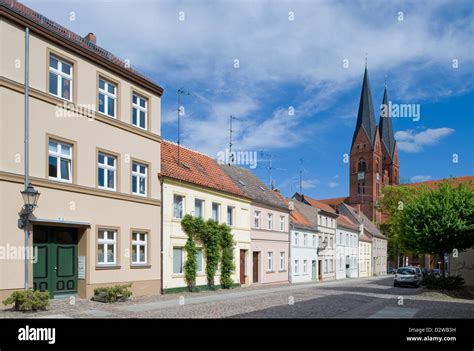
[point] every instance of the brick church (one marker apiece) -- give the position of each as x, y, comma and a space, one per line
373, 160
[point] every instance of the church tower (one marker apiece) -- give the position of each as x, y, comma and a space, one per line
366, 175
390, 164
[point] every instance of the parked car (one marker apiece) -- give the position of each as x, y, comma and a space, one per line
425, 271
391, 270
407, 276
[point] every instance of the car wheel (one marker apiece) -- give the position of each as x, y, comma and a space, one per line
395, 285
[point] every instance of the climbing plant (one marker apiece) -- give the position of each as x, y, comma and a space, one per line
217, 241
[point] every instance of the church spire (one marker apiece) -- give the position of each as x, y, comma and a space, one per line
385, 125
366, 115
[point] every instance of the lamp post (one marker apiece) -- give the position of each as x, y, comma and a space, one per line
30, 200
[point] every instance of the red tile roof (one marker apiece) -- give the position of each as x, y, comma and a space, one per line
295, 216
71, 37
344, 221
333, 202
195, 168
320, 205
365, 237
433, 184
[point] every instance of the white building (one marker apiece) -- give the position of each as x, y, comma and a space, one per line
347, 248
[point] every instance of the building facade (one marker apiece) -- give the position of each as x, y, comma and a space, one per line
269, 233
94, 135
194, 184
347, 248
365, 255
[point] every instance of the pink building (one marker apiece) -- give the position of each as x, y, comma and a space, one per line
269, 235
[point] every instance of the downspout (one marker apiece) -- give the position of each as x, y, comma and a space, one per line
161, 238
27, 145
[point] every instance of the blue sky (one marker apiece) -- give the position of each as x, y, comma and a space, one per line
303, 55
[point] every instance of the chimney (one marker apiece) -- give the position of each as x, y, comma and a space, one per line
91, 37
276, 190
358, 209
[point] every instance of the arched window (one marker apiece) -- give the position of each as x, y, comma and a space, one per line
363, 188
361, 165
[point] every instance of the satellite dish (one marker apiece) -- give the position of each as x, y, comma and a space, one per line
291, 205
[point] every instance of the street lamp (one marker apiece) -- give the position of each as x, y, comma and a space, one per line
30, 200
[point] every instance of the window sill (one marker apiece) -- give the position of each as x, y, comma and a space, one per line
60, 98
104, 267
140, 266
268, 272
282, 271
177, 275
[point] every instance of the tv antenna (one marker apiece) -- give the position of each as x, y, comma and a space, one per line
231, 118
181, 91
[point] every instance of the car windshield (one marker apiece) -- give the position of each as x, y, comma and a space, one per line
406, 271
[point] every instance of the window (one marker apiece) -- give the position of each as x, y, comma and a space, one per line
331, 263
347, 239
216, 208
139, 111
297, 269
270, 262
177, 260
305, 239
331, 240
282, 261
297, 239
178, 206
199, 258
305, 266
107, 171
60, 161
361, 166
60, 78
314, 240
325, 266
199, 208
139, 248
139, 178
107, 247
230, 215
107, 97
270, 221
257, 219
282, 223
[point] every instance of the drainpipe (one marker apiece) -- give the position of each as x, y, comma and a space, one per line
290, 269
27, 144
161, 237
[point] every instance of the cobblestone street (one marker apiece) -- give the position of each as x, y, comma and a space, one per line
356, 298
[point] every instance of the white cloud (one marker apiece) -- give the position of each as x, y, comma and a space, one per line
309, 183
411, 141
333, 185
419, 178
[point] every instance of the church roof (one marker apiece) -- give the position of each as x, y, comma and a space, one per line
366, 115
386, 128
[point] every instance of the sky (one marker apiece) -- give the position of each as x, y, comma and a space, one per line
291, 74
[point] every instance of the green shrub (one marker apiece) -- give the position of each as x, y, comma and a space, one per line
190, 267
454, 282
28, 300
112, 294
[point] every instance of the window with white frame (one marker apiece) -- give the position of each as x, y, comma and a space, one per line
230, 215
331, 265
107, 247
269, 221
178, 206
198, 208
139, 111
297, 268
256, 217
297, 239
60, 78
282, 223
59, 161
331, 240
177, 260
107, 168
282, 261
270, 262
139, 178
305, 239
216, 209
305, 266
199, 260
314, 241
107, 98
139, 248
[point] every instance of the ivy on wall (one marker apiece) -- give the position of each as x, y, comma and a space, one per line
218, 244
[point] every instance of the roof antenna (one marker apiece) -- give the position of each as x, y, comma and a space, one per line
231, 157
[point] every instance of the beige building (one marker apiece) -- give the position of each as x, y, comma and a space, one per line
365, 255
194, 184
94, 156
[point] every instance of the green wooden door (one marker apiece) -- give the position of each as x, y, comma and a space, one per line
55, 265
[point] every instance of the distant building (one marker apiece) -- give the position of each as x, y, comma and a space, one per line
347, 248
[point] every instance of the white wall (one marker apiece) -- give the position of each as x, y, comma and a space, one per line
301, 252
